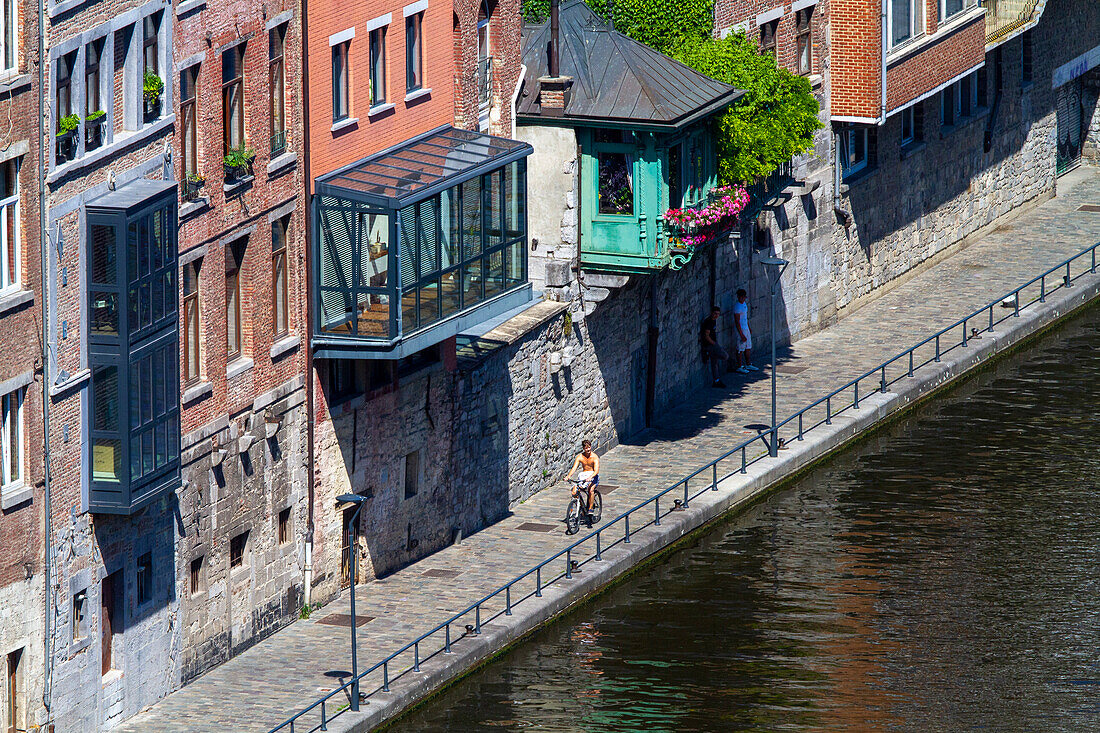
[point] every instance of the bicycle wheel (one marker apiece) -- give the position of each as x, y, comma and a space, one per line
597, 507
573, 516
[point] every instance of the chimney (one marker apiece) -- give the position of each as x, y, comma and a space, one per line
553, 88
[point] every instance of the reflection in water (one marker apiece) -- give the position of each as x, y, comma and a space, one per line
941, 576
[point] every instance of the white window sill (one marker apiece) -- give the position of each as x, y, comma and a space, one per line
379, 109
346, 122
12, 80
15, 494
197, 392
238, 366
284, 345
14, 299
189, 6
286, 160
417, 94
123, 139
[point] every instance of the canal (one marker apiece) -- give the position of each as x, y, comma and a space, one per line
943, 575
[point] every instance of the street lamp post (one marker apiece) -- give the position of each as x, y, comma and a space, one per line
776, 265
354, 569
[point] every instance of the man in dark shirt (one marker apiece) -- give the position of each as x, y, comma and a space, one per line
708, 340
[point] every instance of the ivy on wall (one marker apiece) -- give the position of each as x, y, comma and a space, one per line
776, 118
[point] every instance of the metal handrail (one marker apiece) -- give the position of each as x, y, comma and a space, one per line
591, 547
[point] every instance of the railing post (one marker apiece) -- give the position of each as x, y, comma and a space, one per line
855, 403
1093, 270
937, 347
1069, 280
657, 512
386, 676
744, 461
990, 329
477, 619
508, 600
1043, 289
1016, 312
964, 333
714, 477
626, 537
829, 410
568, 564
800, 426
416, 656
599, 555
685, 494
447, 640
910, 362
883, 380
538, 582
324, 718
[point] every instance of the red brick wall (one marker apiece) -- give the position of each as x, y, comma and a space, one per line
742, 13
856, 58
330, 150
935, 64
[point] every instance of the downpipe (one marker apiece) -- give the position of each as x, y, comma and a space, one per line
47, 653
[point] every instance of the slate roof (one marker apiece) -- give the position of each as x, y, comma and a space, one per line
615, 78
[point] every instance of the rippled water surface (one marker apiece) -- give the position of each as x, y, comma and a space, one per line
941, 576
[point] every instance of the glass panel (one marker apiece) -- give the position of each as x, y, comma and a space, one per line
104, 313
135, 393
471, 284
132, 261
901, 17
15, 441
492, 209
374, 230
514, 195
494, 276
616, 184
161, 445
407, 252
429, 302
408, 311
471, 219
135, 457
173, 438
105, 399
146, 452
517, 264
104, 255
451, 226
160, 374
428, 223
452, 297
675, 177
374, 315
107, 459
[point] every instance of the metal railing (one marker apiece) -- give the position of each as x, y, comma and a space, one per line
485, 81
1003, 17
278, 143
678, 496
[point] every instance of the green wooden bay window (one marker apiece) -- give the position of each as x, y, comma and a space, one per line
133, 347
419, 242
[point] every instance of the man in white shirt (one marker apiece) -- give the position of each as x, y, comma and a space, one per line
744, 338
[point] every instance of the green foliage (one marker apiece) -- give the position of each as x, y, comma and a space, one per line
306, 611
95, 115
239, 157
153, 85
660, 24
535, 11
68, 123
774, 121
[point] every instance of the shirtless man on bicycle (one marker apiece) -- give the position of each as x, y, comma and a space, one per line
589, 463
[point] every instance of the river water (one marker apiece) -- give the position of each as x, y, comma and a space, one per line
942, 576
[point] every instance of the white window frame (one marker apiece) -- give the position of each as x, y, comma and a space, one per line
10, 207
6, 480
5, 32
966, 5
848, 136
916, 22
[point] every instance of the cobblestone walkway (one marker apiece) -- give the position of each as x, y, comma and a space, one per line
260, 687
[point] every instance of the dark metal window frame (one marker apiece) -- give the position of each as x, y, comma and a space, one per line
378, 92
341, 103
189, 135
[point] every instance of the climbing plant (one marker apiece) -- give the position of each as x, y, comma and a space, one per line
774, 121
660, 24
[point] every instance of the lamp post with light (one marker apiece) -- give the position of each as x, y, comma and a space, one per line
354, 568
777, 266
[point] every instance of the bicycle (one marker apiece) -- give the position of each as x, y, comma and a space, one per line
578, 505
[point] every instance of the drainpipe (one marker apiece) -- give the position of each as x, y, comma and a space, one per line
515, 96
44, 239
882, 46
553, 61
307, 570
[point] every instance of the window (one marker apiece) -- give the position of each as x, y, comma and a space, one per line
284, 526
64, 101
233, 97
414, 78
966, 96
189, 142
804, 40
1025, 57
110, 587
238, 550
948, 105
906, 20
16, 703
912, 124
234, 256
616, 182
855, 148
412, 474
80, 615
13, 437
340, 104
484, 63
277, 79
10, 265
92, 53
378, 66
981, 88
279, 318
9, 34
145, 578
192, 363
949, 8
150, 50
198, 575
767, 37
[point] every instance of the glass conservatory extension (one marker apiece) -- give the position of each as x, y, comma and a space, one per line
418, 243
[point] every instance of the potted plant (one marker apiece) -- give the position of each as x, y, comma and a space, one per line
238, 162
67, 128
93, 129
192, 184
152, 88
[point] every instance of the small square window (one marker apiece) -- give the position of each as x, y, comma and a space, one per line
145, 578
238, 550
284, 526
412, 474
198, 575
80, 615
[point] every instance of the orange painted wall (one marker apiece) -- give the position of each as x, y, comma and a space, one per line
330, 150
